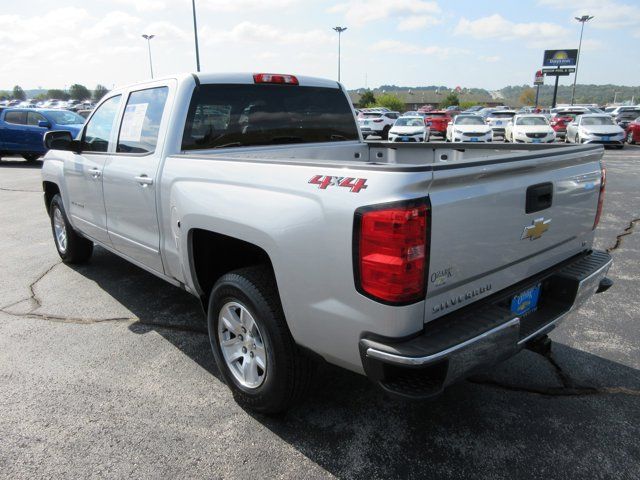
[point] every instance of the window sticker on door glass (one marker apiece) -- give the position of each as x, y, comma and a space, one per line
133, 121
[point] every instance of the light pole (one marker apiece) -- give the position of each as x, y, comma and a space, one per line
195, 34
615, 97
148, 39
583, 19
339, 30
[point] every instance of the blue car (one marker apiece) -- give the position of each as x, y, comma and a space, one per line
22, 129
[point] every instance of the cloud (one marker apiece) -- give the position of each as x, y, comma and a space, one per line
244, 6
249, 32
491, 58
109, 24
360, 12
417, 22
144, 5
607, 14
496, 27
397, 47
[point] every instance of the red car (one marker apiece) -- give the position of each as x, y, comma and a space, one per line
633, 131
438, 120
559, 124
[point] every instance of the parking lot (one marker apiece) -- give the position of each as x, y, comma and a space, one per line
106, 370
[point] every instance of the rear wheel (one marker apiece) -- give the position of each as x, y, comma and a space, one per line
30, 157
385, 132
251, 342
71, 247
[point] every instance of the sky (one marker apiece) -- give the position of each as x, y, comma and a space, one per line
469, 43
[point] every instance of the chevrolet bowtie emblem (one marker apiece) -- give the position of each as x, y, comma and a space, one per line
536, 229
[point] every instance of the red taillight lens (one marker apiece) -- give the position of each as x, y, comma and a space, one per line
274, 78
377, 120
392, 252
603, 183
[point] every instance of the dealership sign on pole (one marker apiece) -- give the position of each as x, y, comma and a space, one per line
539, 78
560, 58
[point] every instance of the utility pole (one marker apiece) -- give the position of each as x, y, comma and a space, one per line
148, 39
339, 30
195, 34
583, 19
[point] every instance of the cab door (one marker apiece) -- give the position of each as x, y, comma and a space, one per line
83, 172
130, 177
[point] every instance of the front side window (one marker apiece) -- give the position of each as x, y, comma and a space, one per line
34, 117
17, 118
141, 121
98, 131
223, 116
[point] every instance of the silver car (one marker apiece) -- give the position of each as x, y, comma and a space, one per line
595, 128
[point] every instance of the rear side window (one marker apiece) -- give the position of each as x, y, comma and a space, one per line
141, 121
248, 115
98, 131
18, 118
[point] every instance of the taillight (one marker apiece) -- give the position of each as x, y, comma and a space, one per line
603, 183
377, 120
391, 251
274, 78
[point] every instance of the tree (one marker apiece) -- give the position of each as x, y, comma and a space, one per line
468, 104
367, 99
449, 100
18, 93
57, 94
391, 102
5, 95
528, 96
79, 92
40, 97
99, 92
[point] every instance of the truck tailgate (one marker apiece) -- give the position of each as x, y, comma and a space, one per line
495, 223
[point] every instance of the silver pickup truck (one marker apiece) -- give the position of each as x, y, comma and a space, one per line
413, 264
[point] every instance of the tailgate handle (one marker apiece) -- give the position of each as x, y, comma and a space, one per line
539, 197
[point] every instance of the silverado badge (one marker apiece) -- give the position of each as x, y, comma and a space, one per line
536, 229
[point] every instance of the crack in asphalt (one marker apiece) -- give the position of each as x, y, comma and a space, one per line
625, 232
36, 303
569, 387
4, 189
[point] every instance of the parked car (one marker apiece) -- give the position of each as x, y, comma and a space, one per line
409, 129
377, 123
529, 128
302, 242
468, 128
559, 123
498, 121
474, 109
438, 120
624, 118
593, 128
632, 131
618, 110
22, 129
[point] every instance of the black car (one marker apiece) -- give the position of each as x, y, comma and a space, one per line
626, 117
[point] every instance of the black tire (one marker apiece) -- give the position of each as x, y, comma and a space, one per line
30, 157
385, 132
78, 249
630, 138
289, 371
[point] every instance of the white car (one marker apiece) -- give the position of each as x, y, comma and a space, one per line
529, 128
594, 128
499, 119
469, 128
376, 123
409, 129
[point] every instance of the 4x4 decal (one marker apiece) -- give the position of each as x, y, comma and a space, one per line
324, 181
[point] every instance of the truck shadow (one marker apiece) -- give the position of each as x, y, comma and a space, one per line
517, 421
18, 162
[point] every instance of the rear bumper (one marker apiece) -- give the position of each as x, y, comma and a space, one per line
483, 334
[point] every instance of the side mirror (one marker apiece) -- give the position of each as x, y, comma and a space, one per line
44, 124
60, 140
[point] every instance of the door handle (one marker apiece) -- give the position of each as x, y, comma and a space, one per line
95, 172
143, 180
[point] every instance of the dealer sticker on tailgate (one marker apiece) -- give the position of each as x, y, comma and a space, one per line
526, 301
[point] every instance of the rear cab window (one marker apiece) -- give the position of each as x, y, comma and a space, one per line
239, 115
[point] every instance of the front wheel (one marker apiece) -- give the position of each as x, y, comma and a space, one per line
385, 133
71, 247
251, 342
30, 157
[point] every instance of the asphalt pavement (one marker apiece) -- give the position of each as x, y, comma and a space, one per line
106, 372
